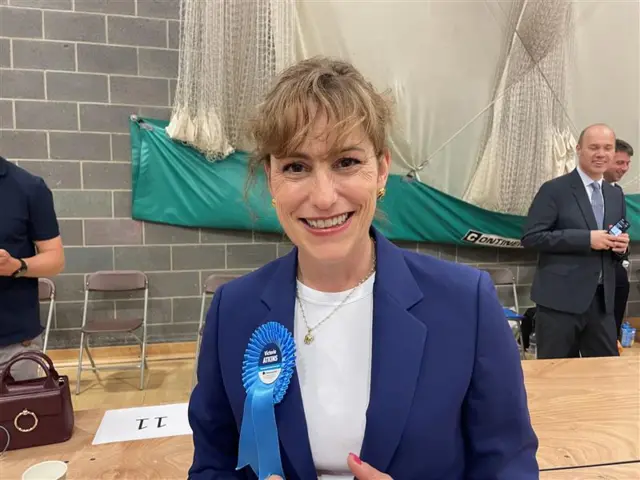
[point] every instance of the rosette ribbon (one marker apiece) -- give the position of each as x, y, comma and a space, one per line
267, 368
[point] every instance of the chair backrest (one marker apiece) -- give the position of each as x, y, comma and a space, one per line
215, 280
46, 289
500, 276
117, 281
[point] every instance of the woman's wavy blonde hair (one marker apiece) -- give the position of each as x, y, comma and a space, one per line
313, 87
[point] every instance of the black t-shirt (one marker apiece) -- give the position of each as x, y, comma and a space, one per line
27, 215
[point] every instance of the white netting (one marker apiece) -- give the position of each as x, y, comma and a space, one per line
481, 115
230, 51
528, 138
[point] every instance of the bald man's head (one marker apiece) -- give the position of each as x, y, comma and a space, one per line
595, 126
595, 149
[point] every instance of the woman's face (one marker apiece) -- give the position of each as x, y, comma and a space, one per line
326, 201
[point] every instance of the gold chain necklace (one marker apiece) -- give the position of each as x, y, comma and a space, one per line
308, 338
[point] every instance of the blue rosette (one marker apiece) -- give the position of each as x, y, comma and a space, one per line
267, 368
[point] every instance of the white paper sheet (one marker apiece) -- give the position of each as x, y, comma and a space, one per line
141, 423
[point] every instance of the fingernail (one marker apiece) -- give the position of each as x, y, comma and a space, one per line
356, 458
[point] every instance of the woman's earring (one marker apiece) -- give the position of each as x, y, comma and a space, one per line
273, 202
381, 193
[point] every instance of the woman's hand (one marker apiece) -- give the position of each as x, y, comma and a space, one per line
363, 471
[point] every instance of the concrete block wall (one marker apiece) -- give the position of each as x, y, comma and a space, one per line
71, 73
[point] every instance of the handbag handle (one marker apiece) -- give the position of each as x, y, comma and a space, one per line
32, 356
43, 356
35, 353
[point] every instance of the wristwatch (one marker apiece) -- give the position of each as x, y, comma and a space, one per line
20, 271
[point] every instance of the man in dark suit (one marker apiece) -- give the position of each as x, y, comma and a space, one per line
616, 170
574, 282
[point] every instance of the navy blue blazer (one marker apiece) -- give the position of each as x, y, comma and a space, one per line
447, 391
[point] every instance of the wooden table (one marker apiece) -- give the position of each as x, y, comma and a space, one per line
585, 412
608, 472
158, 458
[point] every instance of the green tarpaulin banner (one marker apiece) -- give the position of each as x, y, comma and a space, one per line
174, 184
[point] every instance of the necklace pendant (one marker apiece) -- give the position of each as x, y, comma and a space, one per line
308, 338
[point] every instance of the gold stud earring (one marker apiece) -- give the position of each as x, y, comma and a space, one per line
381, 193
273, 202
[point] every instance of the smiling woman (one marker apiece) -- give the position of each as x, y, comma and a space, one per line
369, 397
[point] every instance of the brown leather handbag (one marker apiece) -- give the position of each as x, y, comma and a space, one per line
34, 412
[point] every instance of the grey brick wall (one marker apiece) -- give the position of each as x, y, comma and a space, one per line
71, 72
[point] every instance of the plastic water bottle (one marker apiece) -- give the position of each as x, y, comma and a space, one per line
627, 335
533, 346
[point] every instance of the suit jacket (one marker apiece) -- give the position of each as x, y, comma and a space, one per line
625, 255
447, 392
622, 276
559, 227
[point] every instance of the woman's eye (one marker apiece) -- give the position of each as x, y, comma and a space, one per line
348, 162
293, 168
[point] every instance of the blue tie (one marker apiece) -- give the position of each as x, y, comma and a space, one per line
597, 204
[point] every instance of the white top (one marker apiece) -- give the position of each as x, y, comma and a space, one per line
335, 374
587, 181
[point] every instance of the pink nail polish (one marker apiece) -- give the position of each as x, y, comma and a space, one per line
356, 458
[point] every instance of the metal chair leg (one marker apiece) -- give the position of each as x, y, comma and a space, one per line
194, 377
78, 375
143, 358
48, 328
146, 365
93, 363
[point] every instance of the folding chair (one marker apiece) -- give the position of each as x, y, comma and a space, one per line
503, 277
47, 292
210, 286
114, 281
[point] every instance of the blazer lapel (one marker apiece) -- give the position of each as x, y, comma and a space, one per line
583, 200
279, 296
398, 343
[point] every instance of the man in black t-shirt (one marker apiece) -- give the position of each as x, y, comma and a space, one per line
30, 247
